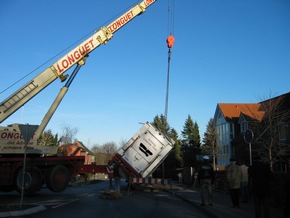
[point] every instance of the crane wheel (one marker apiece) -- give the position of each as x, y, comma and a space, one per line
57, 178
33, 180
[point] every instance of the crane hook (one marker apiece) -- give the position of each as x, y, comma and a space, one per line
170, 41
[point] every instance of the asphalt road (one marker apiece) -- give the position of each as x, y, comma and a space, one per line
84, 201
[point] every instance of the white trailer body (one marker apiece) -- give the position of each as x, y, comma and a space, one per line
144, 152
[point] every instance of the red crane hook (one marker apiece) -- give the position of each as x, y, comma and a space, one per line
170, 41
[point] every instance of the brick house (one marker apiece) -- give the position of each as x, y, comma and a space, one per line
233, 119
77, 149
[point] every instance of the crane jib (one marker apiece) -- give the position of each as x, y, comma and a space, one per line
77, 55
99, 37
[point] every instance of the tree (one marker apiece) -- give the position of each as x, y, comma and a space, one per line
106, 148
162, 124
190, 133
68, 134
48, 139
110, 148
96, 148
104, 153
177, 147
209, 140
174, 158
122, 142
271, 132
191, 142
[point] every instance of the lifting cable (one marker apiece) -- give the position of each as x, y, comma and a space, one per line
170, 42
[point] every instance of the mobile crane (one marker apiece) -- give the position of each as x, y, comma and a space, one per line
43, 166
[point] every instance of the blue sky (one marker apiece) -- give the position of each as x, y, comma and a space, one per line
226, 51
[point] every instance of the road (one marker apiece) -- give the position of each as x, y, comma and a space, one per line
84, 201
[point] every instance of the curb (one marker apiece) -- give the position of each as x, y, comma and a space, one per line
32, 210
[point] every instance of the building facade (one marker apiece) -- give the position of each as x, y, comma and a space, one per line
264, 118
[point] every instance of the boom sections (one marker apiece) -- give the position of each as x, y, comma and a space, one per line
76, 55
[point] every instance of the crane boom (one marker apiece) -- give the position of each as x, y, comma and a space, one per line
76, 55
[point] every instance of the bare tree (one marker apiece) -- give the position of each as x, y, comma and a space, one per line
104, 153
271, 136
107, 148
122, 142
96, 148
110, 148
68, 134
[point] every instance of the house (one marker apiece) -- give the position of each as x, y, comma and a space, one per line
77, 149
232, 120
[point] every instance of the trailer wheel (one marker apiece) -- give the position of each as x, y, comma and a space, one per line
35, 180
57, 178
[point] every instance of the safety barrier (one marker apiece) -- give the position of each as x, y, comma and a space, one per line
150, 181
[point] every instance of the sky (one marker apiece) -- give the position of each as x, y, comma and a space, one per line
226, 51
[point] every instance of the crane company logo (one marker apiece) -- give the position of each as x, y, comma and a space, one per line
120, 22
146, 151
12, 139
11, 135
74, 56
148, 2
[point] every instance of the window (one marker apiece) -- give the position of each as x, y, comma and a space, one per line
244, 126
282, 131
231, 130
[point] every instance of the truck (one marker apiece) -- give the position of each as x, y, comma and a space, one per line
26, 165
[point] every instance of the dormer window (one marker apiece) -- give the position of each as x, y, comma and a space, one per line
244, 126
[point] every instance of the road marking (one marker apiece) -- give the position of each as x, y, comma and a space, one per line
86, 194
90, 195
57, 203
162, 195
65, 203
82, 194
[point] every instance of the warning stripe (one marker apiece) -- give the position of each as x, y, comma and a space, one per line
149, 181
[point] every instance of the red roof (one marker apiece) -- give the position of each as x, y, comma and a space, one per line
233, 111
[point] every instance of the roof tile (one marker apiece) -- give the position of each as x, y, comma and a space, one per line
233, 111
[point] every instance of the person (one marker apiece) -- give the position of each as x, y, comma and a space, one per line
117, 177
206, 180
234, 175
260, 177
117, 184
244, 183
